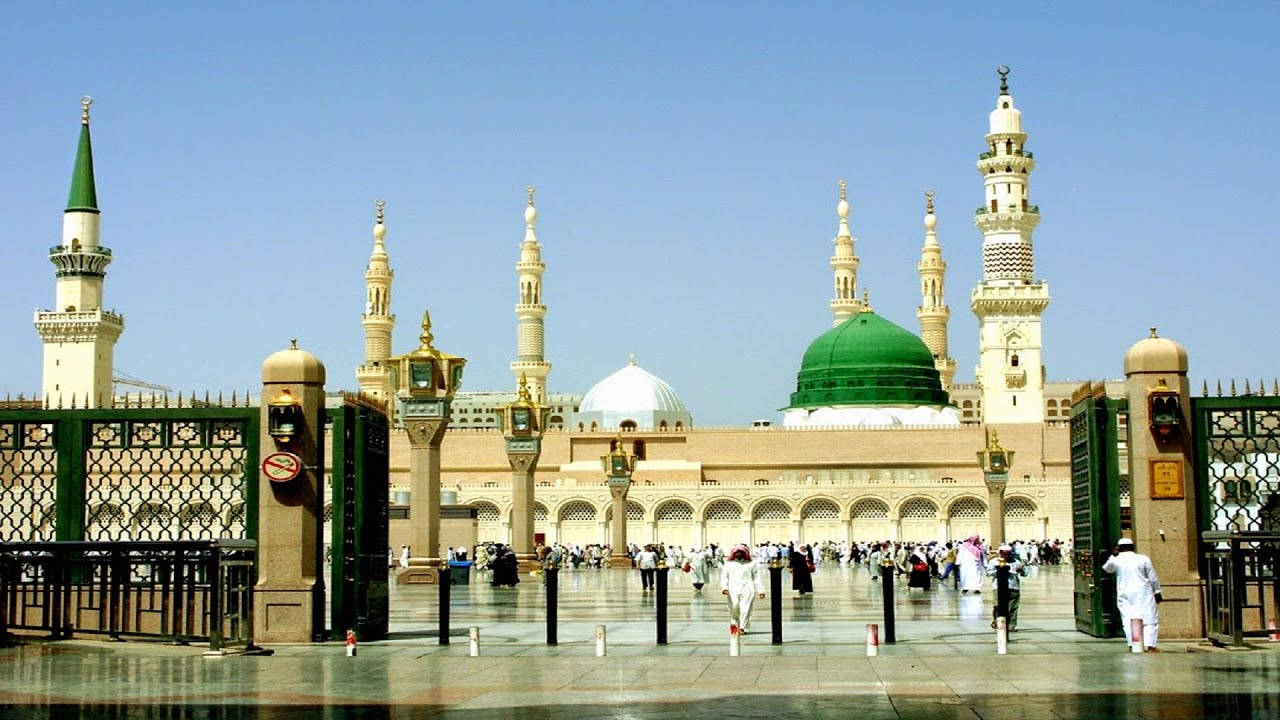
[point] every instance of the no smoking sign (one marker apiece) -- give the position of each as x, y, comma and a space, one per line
281, 466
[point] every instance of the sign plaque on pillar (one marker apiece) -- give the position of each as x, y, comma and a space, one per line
1166, 480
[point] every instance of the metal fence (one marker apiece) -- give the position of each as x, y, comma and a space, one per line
1242, 585
196, 591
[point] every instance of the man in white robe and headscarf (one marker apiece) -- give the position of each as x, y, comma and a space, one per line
1137, 591
741, 581
969, 560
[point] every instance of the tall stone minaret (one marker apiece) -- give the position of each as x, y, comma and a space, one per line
79, 335
933, 311
844, 263
374, 375
530, 311
1009, 300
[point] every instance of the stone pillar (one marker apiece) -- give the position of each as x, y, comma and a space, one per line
506, 532
944, 529
995, 513
288, 600
522, 454
425, 560
847, 529
895, 528
1164, 528
699, 533
795, 532
618, 540
650, 532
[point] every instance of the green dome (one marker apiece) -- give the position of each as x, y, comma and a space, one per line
867, 360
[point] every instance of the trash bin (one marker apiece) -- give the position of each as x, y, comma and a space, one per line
461, 571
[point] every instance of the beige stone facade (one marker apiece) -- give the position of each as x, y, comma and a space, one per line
753, 484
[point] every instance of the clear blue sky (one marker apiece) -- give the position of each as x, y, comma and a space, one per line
686, 157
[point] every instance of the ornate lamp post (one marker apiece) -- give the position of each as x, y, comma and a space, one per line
995, 462
425, 381
524, 444
618, 466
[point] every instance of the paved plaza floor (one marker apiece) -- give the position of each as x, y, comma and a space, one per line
943, 665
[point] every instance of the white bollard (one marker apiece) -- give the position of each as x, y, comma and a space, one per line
600, 641
1137, 636
474, 633
1002, 636
873, 639
735, 643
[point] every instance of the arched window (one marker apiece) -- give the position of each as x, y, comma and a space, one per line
539, 512
918, 508
771, 510
627, 426
486, 512
968, 508
869, 509
723, 510
820, 510
673, 510
1019, 508
638, 449
662, 425
577, 511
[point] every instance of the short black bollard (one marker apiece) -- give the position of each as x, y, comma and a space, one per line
1002, 589
886, 587
775, 600
553, 591
444, 580
662, 605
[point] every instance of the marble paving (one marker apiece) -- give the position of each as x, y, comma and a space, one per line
944, 664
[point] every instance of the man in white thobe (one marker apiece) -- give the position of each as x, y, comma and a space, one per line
1137, 591
741, 581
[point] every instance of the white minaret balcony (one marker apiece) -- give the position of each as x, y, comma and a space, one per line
76, 259
1029, 299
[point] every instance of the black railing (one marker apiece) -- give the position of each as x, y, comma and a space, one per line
1242, 585
195, 591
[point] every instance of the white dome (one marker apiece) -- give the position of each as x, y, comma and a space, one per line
632, 389
632, 395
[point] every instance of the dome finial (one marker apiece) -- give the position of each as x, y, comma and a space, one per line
530, 212
1004, 79
1153, 332
631, 359
866, 300
379, 230
842, 207
426, 337
928, 202
522, 395
843, 187
85, 102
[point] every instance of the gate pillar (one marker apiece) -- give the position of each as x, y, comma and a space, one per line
289, 595
1161, 477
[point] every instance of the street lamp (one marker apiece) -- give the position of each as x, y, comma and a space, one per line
618, 467
425, 381
523, 421
995, 462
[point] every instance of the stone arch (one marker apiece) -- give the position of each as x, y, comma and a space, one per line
577, 522
869, 520
673, 523
918, 519
967, 515
1021, 521
200, 521
153, 521
771, 521
724, 522
106, 521
820, 521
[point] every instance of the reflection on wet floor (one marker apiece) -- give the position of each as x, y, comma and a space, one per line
943, 666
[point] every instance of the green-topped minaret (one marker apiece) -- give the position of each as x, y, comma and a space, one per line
79, 335
84, 194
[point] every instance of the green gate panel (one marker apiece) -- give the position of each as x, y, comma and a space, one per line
1095, 506
359, 530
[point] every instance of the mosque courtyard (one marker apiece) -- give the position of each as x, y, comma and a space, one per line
944, 663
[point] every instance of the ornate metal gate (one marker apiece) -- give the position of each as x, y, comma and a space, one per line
1095, 504
358, 549
1237, 474
125, 474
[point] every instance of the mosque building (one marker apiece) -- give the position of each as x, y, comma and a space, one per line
875, 442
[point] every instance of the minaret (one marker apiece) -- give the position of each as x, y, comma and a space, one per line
79, 336
845, 264
530, 311
1009, 300
374, 375
933, 311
